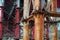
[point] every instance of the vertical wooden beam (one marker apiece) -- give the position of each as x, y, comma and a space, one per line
37, 4
25, 23
39, 22
25, 31
54, 5
55, 32
54, 25
26, 8
39, 27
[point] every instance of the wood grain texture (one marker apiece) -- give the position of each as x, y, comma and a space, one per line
39, 27
25, 32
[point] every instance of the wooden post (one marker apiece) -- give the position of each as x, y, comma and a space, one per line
25, 23
26, 9
54, 5
54, 25
37, 4
55, 32
39, 22
39, 27
25, 31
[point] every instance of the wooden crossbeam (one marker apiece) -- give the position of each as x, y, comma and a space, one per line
53, 14
46, 13
50, 14
52, 21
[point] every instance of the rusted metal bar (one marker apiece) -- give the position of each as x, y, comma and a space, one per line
17, 25
17, 19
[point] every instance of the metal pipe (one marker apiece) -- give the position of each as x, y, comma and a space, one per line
17, 19
25, 31
26, 9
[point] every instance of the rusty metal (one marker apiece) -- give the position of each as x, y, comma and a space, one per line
17, 19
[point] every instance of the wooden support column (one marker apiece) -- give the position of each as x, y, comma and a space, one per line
25, 31
54, 5
39, 21
54, 25
55, 32
39, 26
25, 23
